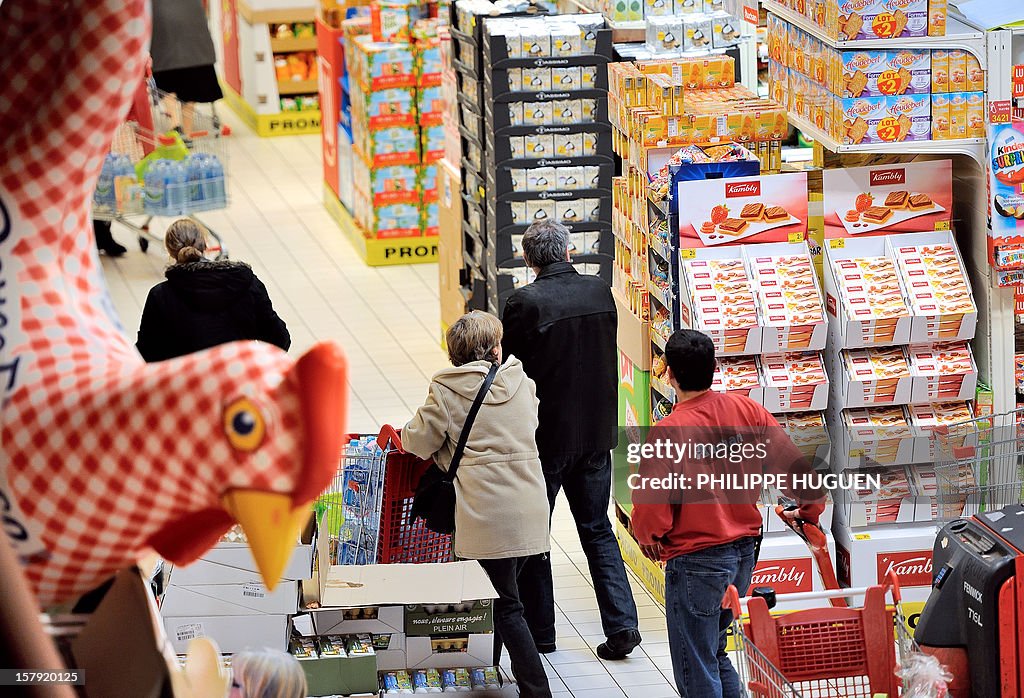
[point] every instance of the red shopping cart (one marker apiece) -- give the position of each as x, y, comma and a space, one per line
368, 508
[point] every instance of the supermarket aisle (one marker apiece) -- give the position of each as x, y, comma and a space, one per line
388, 321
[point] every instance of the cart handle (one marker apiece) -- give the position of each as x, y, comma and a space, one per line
812, 534
389, 435
732, 600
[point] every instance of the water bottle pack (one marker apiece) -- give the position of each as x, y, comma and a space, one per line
116, 188
175, 187
361, 484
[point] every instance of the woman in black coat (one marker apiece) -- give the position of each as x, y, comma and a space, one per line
203, 303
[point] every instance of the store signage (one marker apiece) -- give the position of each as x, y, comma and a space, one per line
410, 251
286, 123
750, 15
913, 568
784, 576
999, 111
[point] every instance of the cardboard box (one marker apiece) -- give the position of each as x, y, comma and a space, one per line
785, 565
868, 120
873, 376
943, 372
730, 319
428, 652
859, 314
875, 19
794, 382
723, 212
231, 633
450, 246
445, 619
846, 203
370, 585
633, 334
865, 558
875, 435
792, 313
384, 620
232, 563
885, 73
634, 410
229, 599
340, 676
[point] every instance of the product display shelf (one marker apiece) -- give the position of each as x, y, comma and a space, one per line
974, 148
624, 32
958, 35
380, 251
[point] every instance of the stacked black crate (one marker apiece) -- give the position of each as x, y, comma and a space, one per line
467, 18
548, 144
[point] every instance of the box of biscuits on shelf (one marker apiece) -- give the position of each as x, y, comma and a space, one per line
871, 436
790, 301
738, 375
943, 371
794, 382
874, 376
717, 296
933, 442
937, 287
864, 295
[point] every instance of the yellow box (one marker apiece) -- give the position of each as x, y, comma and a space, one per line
940, 71
940, 117
958, 115
957, 71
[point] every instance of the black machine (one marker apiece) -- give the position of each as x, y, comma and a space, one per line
974, 619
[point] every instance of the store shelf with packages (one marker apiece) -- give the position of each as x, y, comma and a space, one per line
974, 148
958, 35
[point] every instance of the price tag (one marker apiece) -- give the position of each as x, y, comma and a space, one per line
889, 130
942, 225
856, 453
890, 83
796, 237
884, 26
862, 536
837, 243
688, 254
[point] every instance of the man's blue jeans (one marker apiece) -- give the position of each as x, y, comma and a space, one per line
694, 587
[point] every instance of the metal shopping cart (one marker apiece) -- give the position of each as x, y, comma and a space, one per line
368, 507
833, 652
979, 464
190, 177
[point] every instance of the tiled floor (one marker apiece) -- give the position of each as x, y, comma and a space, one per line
387, 319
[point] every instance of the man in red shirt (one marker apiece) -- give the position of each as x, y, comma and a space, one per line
695, 508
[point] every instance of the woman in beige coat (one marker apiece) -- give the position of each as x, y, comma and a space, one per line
501, 506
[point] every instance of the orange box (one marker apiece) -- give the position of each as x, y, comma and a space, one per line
975, 74
975, 114
940, 117
957, 71
937, 17
940, 71
958, 115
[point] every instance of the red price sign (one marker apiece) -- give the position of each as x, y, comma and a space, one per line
884, 25
890, 83
889, 129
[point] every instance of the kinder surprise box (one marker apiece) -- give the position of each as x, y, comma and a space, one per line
749, 209
1006, 185
908, 198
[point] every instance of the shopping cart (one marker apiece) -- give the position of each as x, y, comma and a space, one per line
368, 507
824, 652
190, 178
979, 464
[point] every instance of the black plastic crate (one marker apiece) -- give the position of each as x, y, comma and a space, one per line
500, 122
579, 213
558, 142
496, 54
507, 183
553, 81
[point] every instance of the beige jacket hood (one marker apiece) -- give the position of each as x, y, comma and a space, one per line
501, 507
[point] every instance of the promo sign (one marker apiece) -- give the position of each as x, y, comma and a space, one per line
1006, 189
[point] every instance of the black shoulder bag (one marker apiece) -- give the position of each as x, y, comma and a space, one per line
434, 501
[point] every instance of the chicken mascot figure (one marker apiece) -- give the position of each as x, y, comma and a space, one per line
104, 458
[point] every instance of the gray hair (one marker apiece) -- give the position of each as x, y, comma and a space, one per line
544, 243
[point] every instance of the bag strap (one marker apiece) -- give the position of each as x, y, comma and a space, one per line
470, 418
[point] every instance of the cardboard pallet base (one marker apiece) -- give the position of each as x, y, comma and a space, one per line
376, 252
301, 123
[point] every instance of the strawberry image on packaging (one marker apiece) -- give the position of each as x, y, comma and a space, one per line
756, 209
897, 198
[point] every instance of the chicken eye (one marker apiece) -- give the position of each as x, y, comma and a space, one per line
244, 425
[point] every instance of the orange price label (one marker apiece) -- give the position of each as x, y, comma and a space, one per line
890, 83
884, 25
889, 130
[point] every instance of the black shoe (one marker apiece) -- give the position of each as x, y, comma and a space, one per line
113, 249
546, 647
619, 645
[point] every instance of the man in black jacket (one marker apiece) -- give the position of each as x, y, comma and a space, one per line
563, 328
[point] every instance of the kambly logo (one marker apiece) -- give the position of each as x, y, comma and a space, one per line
897, 175
737, 189
913, 568
784, 576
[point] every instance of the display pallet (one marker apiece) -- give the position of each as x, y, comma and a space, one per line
380, 252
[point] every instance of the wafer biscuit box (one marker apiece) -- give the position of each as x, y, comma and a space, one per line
876, 19
886, 73
899, 119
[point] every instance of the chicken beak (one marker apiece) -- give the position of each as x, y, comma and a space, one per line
271, 524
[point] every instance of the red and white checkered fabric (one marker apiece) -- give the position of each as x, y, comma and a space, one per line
100, 451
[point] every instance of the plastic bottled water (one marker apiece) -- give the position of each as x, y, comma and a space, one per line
214, 191
177, 187
196, 170
104, 197
155, 184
